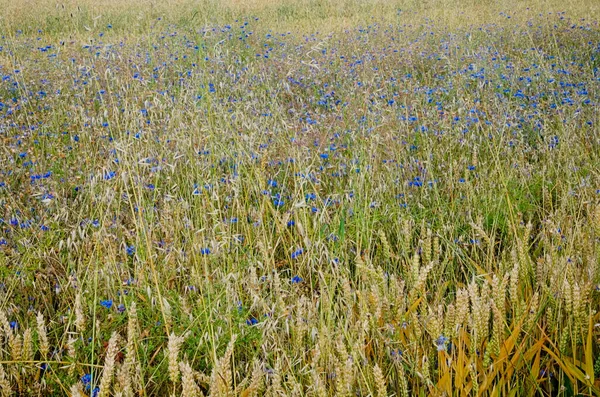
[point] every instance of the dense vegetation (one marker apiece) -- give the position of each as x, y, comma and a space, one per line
299, 198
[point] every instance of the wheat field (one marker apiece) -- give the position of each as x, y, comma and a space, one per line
299, 198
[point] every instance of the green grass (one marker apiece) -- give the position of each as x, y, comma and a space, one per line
436, 166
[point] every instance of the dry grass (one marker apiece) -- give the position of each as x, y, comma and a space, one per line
306, 198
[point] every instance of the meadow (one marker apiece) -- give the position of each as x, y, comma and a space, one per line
299, 198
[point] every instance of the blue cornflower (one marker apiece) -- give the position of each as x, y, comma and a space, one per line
106, 303
130, 250
252, 321
86, 379
109, 175
296, 280
441, 343
291, 223
396, 354
205, 251
417, 182
297, 253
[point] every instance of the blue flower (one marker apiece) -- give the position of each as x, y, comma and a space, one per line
396, 354
109, 175
252, 321
107, 303
416, 182
296, 280
441, 343
130, 250
291, 223
205, 251
297, 253
86, 379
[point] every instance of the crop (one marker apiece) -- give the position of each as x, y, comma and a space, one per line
311, 198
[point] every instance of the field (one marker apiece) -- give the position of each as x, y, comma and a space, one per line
303, 198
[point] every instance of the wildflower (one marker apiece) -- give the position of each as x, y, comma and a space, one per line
109, 175
106, 303
396, 354
296, 280
297, 253
205, 251
130, 250
86, 380
441, 343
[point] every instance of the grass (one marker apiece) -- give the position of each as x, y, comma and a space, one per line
303, 198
